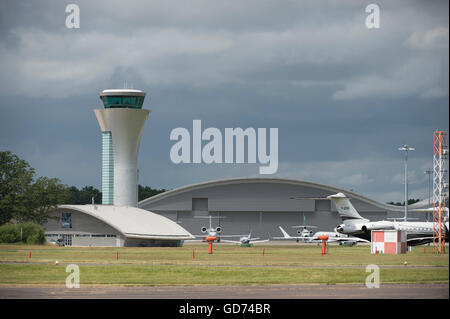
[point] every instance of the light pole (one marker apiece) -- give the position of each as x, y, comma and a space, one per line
406, 148
429, 172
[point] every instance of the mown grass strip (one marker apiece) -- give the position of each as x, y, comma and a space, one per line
191, 275
307, 255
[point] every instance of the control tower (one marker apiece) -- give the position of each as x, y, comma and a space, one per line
121, 121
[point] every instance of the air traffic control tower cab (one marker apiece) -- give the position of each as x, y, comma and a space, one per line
122, 98
121, 121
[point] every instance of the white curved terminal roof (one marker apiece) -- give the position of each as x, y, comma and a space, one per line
134, 222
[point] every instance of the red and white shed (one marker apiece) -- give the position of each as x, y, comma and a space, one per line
388, 242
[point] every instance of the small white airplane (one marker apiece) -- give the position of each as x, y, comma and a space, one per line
210, 234
304, 231
246, 240
332, 237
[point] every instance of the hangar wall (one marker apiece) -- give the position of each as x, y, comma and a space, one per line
257, 205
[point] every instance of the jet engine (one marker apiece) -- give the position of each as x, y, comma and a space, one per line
219, 229
376, 226
203, 229
345, 229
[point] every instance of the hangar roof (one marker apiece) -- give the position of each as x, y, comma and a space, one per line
232, 181
134, 222
426, 203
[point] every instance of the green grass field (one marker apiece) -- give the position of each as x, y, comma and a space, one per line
228, 265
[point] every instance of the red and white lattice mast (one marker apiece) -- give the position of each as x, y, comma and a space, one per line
440, 186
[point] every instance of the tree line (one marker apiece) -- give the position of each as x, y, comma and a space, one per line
27, 198
88, 194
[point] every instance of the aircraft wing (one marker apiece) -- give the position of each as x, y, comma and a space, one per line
339, 239
351, 239
190, 240
232, 236
286, 236
219, 236
290, 238
200, 238
230, 241
304, 226
259, 241
419, 240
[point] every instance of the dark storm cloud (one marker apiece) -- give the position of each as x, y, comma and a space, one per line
343, 97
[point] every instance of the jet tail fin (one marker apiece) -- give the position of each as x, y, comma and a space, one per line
285, 235
345, 207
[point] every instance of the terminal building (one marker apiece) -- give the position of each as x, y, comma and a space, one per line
112, 226
260, 205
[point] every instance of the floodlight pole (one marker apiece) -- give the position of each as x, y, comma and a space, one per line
406, 148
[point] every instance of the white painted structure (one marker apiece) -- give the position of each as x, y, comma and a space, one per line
126, 126
108, 225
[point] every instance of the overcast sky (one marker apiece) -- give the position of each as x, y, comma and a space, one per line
343, 97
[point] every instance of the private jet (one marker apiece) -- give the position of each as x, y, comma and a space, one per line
418, 233
304, 230
246, 240
211, 234
332, 237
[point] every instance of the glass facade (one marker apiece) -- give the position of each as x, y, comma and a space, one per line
107, 169
118, 101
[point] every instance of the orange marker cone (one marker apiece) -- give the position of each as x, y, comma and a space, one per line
210, 248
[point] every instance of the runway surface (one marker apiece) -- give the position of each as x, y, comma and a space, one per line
338, 291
